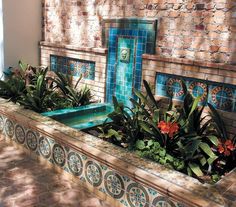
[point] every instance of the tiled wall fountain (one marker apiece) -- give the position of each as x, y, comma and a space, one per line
128, 40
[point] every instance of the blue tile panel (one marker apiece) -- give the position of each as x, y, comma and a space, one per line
124, 70
221, 96
72, 66
144, 38
113, 184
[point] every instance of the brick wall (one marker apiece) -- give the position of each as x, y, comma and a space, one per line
197, 29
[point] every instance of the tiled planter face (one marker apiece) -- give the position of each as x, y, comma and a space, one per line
107, 180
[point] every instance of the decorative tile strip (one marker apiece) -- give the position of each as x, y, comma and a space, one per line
72, 66
120, 187
221, 96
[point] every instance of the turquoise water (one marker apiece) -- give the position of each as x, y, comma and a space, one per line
82, 117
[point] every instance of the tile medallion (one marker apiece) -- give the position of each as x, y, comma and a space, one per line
174, 88
221, 96
114, 185
137, 196
162, 201
75, 163
1, 123
58, 154
44, 147
197, 89
9, 128
93, 173
20, 134
31, 140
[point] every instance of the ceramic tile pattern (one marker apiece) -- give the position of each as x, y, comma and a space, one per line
221, 96
72, 66
138, 37
118, 186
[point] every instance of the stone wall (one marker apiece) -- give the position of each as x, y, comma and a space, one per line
197, 29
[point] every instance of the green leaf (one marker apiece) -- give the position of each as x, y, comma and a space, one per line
112, 132
210, 160
213, 139
149, 92
195, 169
206, 148
145, 127
140, 145
203, 161
194, 106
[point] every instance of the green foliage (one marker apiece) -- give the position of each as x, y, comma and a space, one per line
124, 128
12, 89
36, 94
225, 161
152, 149
180, 137
76, 97
31, 87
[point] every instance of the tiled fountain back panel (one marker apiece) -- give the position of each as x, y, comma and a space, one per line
110, 182
221, 96
142, 33
72, 66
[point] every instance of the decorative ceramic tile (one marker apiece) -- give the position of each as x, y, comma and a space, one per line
9, 128
125, 55
75, 163
114, 184
174, 87
58, 154
221, 96
137, 196
93, 173
128, 54
20, 134
72, 66
1, 123
31, 140
199, 88
44, 147
161, 201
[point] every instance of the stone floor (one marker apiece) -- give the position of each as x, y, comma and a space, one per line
26, 183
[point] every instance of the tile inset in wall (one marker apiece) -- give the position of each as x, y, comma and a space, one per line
221, 96
72, 66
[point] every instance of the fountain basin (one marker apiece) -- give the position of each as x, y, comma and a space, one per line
82, 117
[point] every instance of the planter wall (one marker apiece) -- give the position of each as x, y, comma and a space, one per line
114, 174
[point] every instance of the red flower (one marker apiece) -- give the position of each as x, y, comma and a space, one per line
168, 128
226, 147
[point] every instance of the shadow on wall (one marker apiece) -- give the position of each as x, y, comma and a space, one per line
189, 29
203, 31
